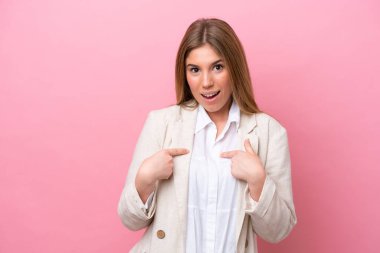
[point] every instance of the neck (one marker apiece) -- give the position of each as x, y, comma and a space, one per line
220, 117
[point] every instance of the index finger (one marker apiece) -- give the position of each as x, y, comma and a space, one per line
177, 151
229, 154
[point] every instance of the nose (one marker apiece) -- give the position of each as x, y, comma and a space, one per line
207, 81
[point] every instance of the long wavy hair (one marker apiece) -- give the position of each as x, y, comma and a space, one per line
219, 35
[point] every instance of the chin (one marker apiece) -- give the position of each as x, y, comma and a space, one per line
212, 109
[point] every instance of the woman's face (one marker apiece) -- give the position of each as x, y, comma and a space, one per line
209, 80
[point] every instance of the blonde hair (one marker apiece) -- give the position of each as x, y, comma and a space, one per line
218, 34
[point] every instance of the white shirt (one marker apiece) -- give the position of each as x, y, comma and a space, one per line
212, 208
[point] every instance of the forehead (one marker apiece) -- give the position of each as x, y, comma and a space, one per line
203, 55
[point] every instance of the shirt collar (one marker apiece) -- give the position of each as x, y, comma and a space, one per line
203, 119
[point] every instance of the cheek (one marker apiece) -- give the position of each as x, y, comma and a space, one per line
192, 82
224, 81
226, 86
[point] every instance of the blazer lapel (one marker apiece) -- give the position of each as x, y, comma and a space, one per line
246, 126
182, 137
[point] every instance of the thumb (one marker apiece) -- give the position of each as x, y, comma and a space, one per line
229, 154
177, 151
248, 147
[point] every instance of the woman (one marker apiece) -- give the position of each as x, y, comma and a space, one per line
213, 171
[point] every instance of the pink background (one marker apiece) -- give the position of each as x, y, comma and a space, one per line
77, 79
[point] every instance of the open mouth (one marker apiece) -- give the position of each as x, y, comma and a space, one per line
210, 95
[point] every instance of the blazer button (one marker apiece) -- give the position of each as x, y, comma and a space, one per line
160, 234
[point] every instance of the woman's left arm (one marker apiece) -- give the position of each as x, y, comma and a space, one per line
268, 195
273, 215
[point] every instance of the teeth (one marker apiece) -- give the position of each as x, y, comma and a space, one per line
210, 94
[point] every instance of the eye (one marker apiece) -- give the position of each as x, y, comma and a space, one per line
194, 70
218, 67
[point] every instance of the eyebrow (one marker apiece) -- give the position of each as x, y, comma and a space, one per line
193, 65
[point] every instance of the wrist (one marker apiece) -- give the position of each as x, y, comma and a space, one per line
255, 187
145, 178
145, 183
143, 189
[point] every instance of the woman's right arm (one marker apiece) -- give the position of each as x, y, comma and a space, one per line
131, 208
150, 163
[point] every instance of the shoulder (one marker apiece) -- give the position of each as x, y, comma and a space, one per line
156, 124
166, 114
270, 123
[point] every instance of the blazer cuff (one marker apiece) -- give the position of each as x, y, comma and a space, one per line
148, 203
260, 207
146, 210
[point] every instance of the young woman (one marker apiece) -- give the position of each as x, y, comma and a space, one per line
211, 172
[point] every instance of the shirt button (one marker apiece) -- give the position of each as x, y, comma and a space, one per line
160, 234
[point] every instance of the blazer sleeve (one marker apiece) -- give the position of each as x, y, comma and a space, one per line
131, 209
273, 216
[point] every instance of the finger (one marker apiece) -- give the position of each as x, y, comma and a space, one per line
229, 154
177, 151
248, 147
